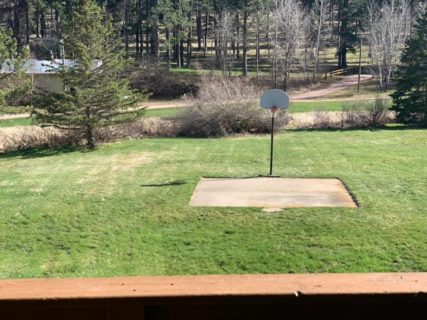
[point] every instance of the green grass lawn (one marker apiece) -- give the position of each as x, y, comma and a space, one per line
163, 112
317, 106
123, 209
15, 122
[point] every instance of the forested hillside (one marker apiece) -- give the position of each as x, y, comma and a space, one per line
274, 38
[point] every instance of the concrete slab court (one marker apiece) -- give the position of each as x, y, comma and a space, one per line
271, 193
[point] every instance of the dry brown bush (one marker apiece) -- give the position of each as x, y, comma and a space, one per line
364, 115
152, 127
370, 114
225, 106
21, 138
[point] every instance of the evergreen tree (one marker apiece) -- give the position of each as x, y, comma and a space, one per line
10, 58
410, 97
95, 95
349, 13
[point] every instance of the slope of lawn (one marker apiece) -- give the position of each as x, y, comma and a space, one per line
123, 209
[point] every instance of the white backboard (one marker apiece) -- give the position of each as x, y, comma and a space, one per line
274, 98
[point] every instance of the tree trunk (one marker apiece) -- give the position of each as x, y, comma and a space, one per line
199, 27
205, 49
126, 28
245, 43
343, 29
181, 51
267, 35
37, 18
27, 23
42, 25
176, 53
257, 48
237, 36
189, 36
189, 46
224, 56
154, 39
217, 49
17, 27
138, 31
274, 64
319, 31
147, 26
168, 49
90, 138
360, 64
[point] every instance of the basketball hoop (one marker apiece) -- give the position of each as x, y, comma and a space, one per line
274, 111
274, 100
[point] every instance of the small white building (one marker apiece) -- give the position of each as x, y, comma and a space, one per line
44, 73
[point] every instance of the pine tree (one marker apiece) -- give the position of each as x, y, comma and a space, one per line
95, 95
10, 58
7, 48
410, 97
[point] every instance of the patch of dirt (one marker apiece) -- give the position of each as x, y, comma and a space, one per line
344, 83
14, 116
180, 103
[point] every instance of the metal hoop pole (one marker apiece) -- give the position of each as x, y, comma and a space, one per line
272, 144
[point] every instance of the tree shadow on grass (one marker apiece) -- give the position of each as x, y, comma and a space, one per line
42, 152
166, 184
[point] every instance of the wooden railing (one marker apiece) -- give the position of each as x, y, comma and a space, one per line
346, 296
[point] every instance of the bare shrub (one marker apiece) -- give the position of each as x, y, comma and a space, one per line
225, 106
316, 120
364, 115
152, 127
323, 120
218, 90
21, 138
371, 114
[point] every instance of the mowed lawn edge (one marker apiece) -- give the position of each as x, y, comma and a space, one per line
123, 209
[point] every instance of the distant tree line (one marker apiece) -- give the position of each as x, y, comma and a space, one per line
251, 35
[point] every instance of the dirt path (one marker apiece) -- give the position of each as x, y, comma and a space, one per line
14, 116
347, 81
179, 103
